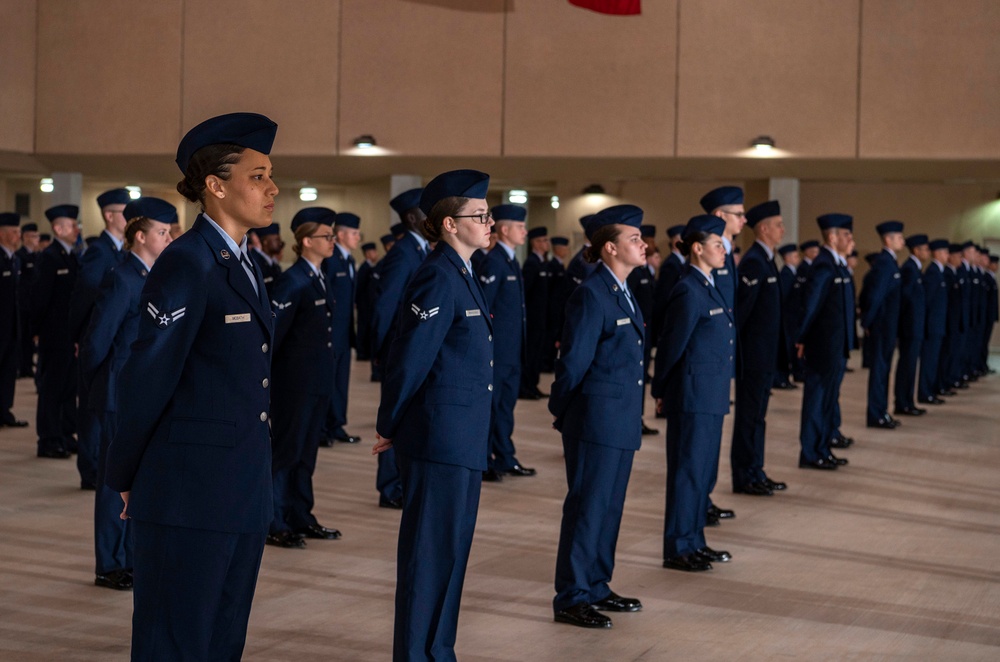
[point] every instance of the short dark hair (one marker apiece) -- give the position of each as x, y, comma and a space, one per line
690, 240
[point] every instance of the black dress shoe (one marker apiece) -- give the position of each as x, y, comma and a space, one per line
395, 504
909, 411
347, 438
785, 386
711, 519
775, 485
646, 430
285, 539
839, 461
518, 470
822, 463
327, 442
525, 395
88, 485
615, 602
961, 385
583, 616
119, 580
687, 562
721, 513
318, 532
714, 556
753, 489
492, 476
848, 369
56, 454
11, 422
933, 400
540, 395
884, 423
840, 441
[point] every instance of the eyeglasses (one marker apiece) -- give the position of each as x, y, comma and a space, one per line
482, 219
740, 214
324, 237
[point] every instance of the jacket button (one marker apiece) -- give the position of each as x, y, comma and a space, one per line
490, 387
263, 348
640, 382
640, 342
265, 383
491, 338
491, 363
263, 417
329, 344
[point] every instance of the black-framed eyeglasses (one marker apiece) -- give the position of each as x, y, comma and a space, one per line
482, 219
741, 214
324, 237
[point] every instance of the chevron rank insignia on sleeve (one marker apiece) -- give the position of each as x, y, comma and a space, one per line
280, 306
164, 319
424, 315
487, 279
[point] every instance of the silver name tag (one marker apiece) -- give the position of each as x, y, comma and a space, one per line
320, 302
62, 272
838, 280
6, 273
723, 272
236, 319
715, 311
341, 274
772, 279
623, 321
511, 277
895, 275
475, 312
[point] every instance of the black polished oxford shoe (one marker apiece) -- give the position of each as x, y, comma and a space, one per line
721, 513
711, 519
840, 441
785, 386
909, 411
933, 400
775, 485
395, 504
583, 616
884, 423
839, 461
285, 539
11, 422
118, 580
318, 532
646, 430
822, 464
947, 392
615, 602
714, 556
55, 454
348, 439
492, 476
753, 489
518, 470
687, 562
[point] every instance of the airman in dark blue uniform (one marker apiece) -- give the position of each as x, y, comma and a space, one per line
642, 284
935, 325
880, 321
758, 315
51, 298
341, 274
10, 316
912, 325
578, 268
559, 291
192, 453
536, 280
104, 348
27, 255
102, 255
304, 359
436, 390
597, 403
791, 259
958, 321
694, 366
823, 341
363, 300
270, 268
392, 276
500, 277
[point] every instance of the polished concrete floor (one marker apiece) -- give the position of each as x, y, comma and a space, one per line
896, 556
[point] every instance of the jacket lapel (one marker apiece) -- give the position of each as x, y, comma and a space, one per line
470, 281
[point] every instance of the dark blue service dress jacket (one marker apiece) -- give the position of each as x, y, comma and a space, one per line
503, 288
437, 388
827, 314
392, 274
193, 441
913, 302
758, 311
51, 296
597, 393
935, 300
303, 335
100, 257
880, 313
340, 275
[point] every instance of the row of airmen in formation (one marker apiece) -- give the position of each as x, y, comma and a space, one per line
594, 319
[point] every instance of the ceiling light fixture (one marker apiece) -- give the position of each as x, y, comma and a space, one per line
46, 185
134, 192
554, 201
308, 194
594, 189
762, 143
517, 196
365, 141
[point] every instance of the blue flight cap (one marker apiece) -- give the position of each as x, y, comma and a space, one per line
454, 184
617, 215
647, 231
152, 208
675, 230
248, 130
585, 221
706, 223
116, 196
535, 233
916, 240
786, 249
397, 229
870, 257
938, 244
560, 241
10, 219
764, 210
994, 259
406, 201
724, 195
889, 226
29, 227
509, 213
967, 244
806, 245
954, 248
838, 221
69, 211
347, 220
45, 236
368, 246
321, 215
387, 239
273, 228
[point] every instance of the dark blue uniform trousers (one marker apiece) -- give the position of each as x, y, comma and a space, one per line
753, 392
193, 591
930, 356
951, 363
112, 534
440, 504
298, 420
693, 442
819, 410
55, 417
592, 513
906, 372
341, 384
88, 434
506, 383
387, 476
878, 376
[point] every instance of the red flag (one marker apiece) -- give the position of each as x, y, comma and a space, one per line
619, 7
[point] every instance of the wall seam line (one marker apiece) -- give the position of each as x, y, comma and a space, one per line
857, 109
677, 80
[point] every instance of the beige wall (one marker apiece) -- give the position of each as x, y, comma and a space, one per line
17, 75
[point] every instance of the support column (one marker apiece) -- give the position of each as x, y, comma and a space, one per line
400, 184
786, 191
